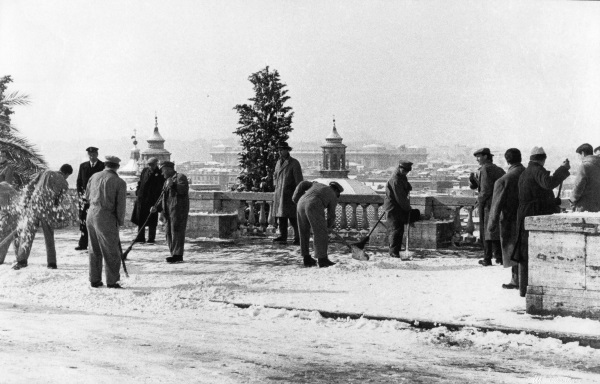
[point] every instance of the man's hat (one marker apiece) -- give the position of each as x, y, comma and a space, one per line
113, 159
406, 165
91, 149
483, 151
284, 145
537, 151
152, 160
169, 164
336, 185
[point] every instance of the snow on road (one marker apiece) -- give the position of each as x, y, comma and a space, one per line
162, 328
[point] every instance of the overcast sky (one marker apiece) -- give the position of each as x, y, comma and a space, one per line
496, 73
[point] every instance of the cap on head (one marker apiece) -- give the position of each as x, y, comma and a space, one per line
406, 165
168, 164
113, 160
284, 145
483, 151
66, 169
152, 160
336, 185
91, 149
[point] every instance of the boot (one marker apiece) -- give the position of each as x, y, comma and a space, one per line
280, 240
115, 285
97, 284
151, 235
325, 262
309, 261
175, 259
485, 262
52, 266
19, 264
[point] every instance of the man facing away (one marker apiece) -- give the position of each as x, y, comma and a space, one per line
86, 170
312, 200
106, 193
503, 212
148, 191
535, 198
397, 206
586, 188
175, 208
287, 176
484, 183
41, 206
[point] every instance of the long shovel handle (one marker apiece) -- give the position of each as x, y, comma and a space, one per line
8, 238
378, 221
343, 240
124, 254
407, 236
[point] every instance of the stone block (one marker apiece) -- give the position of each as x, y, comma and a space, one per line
592, 278
223, 226
557, 259
592, 251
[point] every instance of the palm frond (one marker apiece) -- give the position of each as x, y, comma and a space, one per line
15, 98
5, 126
23, 155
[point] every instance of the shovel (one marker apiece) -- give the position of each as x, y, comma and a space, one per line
357, 253
358, 248
124, 254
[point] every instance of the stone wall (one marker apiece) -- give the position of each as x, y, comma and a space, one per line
564, 265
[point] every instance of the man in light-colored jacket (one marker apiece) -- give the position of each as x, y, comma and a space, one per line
106, 194
586, 188
312, 200
42, 205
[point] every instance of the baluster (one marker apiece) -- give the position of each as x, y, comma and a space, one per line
470, 226
271, 220
353, 219
343, 217
365, 217
456, 238
251, 218
242, 215
262, 217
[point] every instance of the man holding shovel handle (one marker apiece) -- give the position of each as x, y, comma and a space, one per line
397, 206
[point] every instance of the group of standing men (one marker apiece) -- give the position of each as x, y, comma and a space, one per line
505, 199
102, 202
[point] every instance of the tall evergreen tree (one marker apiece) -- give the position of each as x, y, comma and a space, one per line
25, 157
262, 125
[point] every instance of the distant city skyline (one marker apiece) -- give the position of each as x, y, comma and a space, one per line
497, 74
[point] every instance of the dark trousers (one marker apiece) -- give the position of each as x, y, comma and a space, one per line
25, 247
283, 227
142, 234
492, 249
396, 233
83, 239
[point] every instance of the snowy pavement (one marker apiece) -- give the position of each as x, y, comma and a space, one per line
164, 328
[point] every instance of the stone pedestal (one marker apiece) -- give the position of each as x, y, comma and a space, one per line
217, 225
428, 234
564, 265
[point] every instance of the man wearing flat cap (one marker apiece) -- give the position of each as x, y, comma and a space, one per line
147, 193
397, 206
483, 182
106, 194
175, 208
86, 170
287, 176
312, 200
535, 198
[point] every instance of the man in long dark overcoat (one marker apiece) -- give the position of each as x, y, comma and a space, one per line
175, 208
484, 183
586, 188
86, 170
397, 206
313, 199
287, 176
503, 212
148, 191
535, 198
106, 193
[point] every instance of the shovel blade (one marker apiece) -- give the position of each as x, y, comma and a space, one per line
359, 254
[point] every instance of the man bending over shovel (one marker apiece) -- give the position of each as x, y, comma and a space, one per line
397, 206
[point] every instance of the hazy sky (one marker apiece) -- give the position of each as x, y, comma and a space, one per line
483, 72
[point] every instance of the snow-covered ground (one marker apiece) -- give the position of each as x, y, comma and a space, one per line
164, 327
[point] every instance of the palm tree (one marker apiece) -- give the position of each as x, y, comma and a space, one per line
17, 149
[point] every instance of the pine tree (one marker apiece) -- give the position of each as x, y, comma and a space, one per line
262, 125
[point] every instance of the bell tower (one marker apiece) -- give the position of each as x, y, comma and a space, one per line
334, 156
